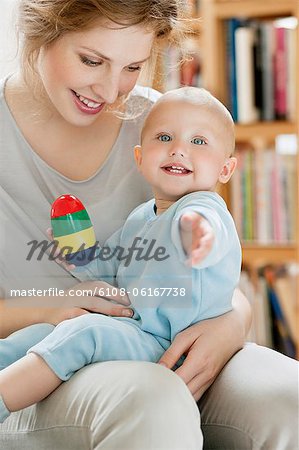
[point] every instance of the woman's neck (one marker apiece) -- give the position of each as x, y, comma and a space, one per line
75, 152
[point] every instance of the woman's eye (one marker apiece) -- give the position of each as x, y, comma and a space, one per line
164, 138
134, 68
90, 62
198, 141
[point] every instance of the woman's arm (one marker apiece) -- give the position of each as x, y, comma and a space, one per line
14, 318
208, 345
17, 313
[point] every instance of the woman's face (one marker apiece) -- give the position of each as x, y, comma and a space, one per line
82, 72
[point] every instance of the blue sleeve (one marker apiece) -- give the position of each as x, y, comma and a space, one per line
221, 222
105, 264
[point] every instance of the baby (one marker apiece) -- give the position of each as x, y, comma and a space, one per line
191, 257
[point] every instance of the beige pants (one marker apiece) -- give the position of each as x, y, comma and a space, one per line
135, 405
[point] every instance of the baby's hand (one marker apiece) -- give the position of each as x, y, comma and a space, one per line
57, 256
197, 237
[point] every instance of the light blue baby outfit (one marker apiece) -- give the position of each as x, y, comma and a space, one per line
166, 294
184, 295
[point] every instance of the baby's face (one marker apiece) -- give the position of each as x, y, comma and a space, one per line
185, 148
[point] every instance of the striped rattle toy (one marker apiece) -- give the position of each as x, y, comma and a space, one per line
73, 230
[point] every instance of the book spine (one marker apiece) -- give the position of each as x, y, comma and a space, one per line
280, 74
245, 37
267, 58
291, 73
261, 199
231, 27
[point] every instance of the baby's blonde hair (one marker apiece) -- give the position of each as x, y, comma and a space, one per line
199, 97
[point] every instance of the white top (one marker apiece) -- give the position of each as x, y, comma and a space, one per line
28, 186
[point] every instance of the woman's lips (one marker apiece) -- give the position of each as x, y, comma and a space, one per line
83, 107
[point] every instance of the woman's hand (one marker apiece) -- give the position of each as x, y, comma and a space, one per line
98, 298
57, 254
24, 311
83, 298
208, 346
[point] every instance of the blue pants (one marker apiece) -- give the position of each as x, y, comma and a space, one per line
17, 344
92, 338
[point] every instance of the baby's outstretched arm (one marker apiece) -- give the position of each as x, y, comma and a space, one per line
197, 236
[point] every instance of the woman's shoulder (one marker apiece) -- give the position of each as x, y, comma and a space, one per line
147, 93
140, 101
2, 84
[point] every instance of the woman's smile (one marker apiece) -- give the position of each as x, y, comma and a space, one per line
86, 105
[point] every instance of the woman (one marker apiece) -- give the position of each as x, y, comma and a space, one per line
60, 133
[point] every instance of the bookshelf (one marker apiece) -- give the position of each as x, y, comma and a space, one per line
215, 14
210, 35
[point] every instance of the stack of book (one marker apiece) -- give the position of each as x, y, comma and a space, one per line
261, 73
274, 304
263, 196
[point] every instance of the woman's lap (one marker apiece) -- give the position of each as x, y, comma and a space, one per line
253, 404
119, 405
124, 405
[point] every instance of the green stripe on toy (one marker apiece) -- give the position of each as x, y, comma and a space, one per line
79, 221
72, 229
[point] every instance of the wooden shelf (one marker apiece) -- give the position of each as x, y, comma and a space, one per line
268, 130
250, 8
256, 255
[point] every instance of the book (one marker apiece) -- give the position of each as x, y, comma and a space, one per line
282, 338
267, 72
258, 67
290, 195
285, 287
248, 190
261, 228
245, 39
291, 73
267, 170
262, 315
280, 73
231, 26
278, 205
236, 196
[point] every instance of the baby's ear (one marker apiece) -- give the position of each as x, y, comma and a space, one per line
227, 170
138, 155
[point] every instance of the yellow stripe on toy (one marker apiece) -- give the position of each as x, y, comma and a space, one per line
77, 240
73, 230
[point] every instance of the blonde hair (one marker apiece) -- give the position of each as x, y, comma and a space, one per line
42, 22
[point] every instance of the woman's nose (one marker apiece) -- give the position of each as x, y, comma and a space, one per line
111, 94
109, 89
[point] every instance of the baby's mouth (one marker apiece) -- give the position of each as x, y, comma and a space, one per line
176, 169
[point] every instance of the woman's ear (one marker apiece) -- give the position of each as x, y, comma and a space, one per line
228, 169
138, 155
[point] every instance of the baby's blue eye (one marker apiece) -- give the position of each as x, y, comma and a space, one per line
164, 137
198, 141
